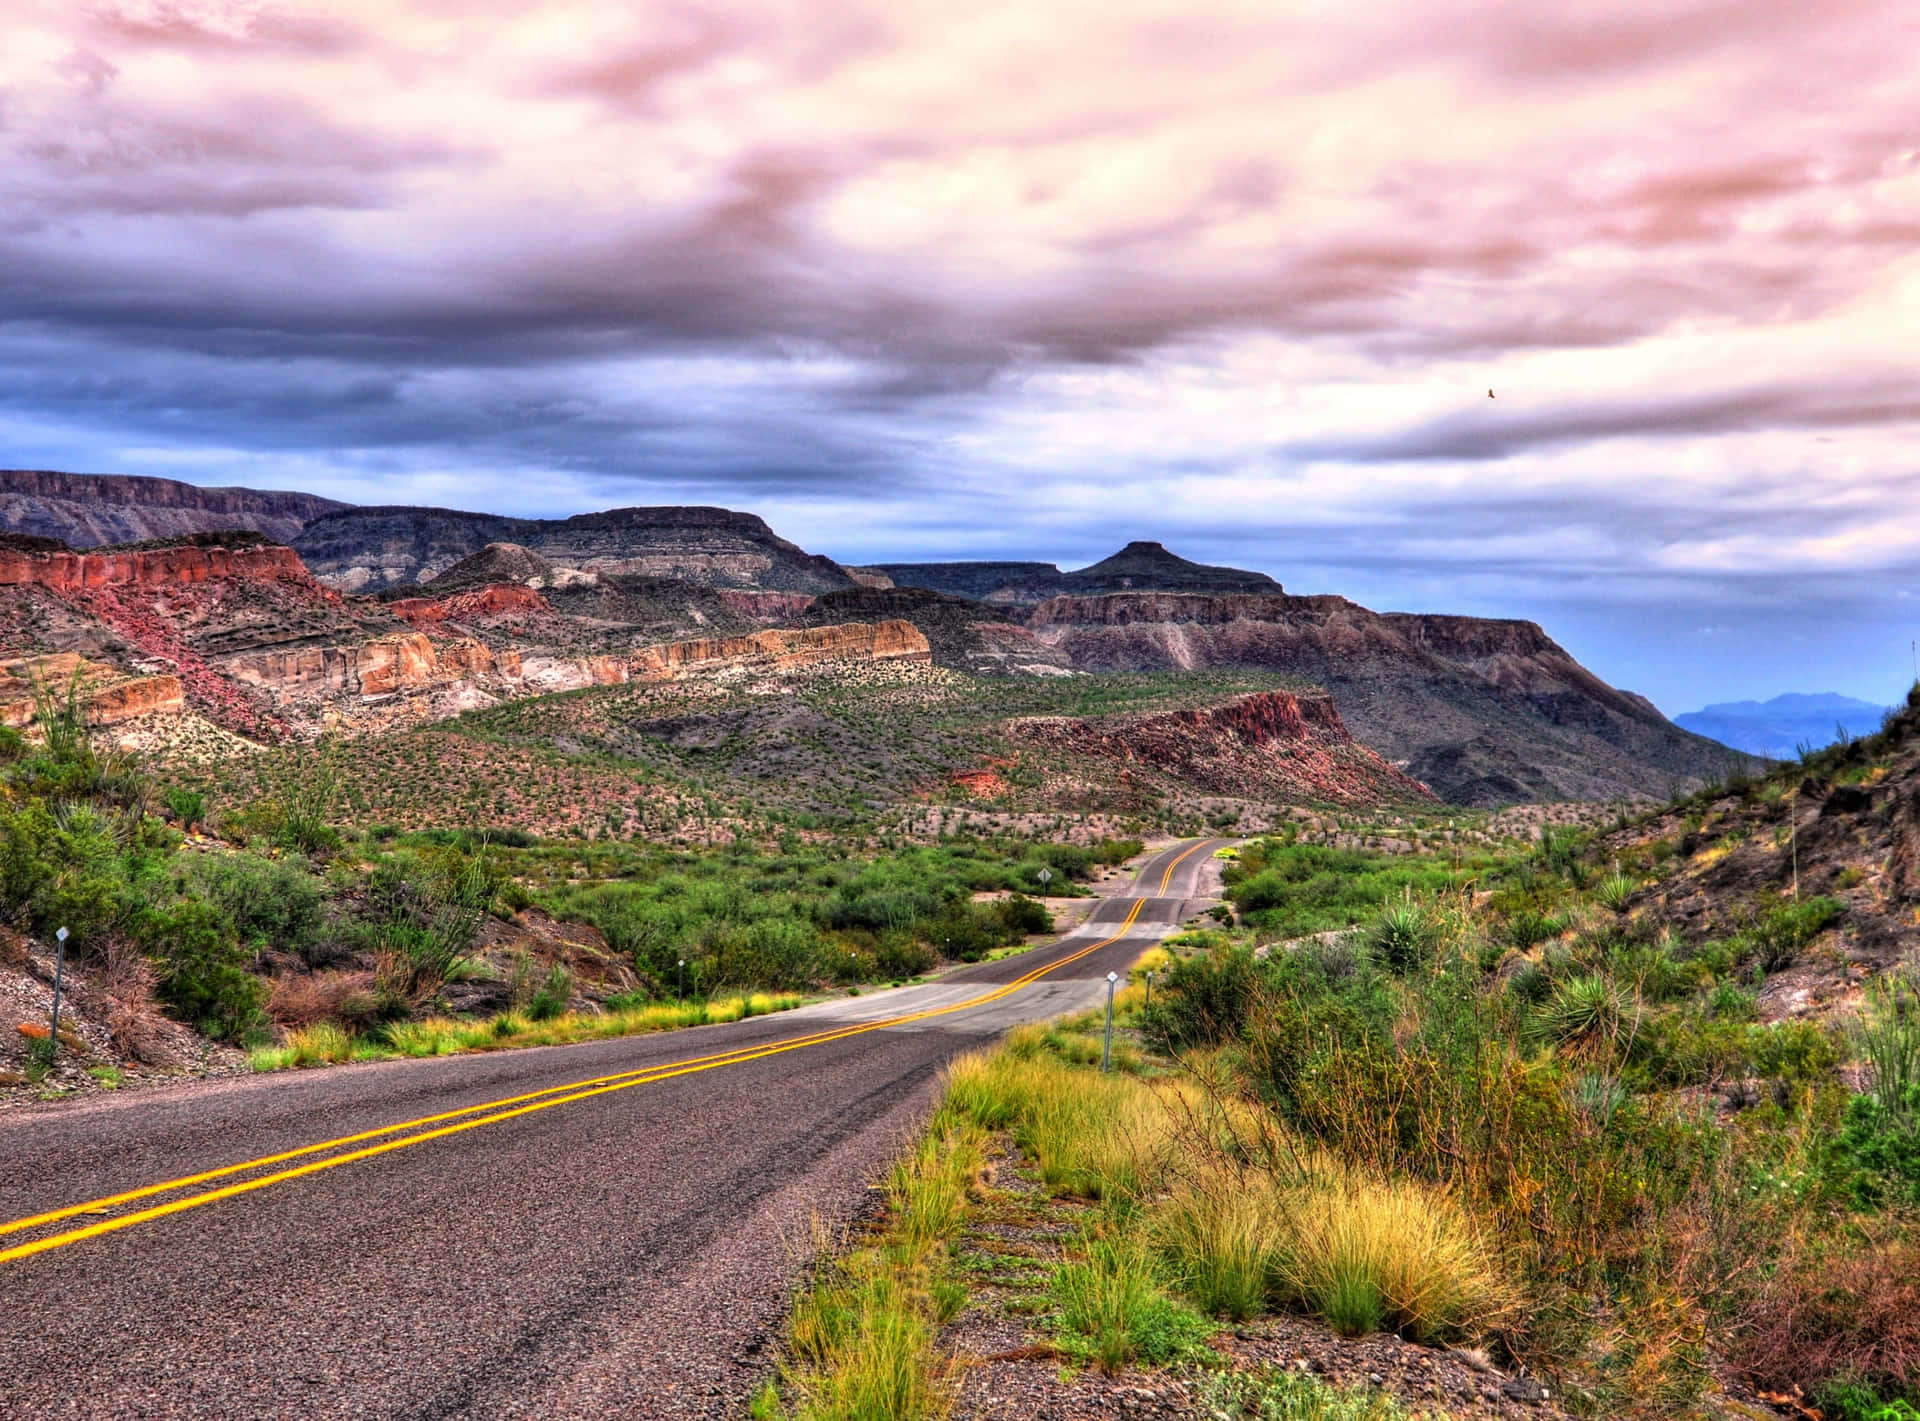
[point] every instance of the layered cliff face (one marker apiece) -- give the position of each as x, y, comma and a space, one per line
108, 696
366, 549
1486, 712
963, 635
382, 666
86, 510
783, 650
181, 564
1280, 746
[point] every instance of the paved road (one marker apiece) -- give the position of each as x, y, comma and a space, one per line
607, 1229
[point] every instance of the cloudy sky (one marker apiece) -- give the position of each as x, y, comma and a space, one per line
1027, 280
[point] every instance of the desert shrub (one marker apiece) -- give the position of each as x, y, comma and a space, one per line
187, 806
203, 970
1889, 1039
1615, 892
553, 996
1526, 928
1587, 1011
421, 917
273, 903
1021, 916
1830, 1315
1274, 1394
1780, 932
1207, 999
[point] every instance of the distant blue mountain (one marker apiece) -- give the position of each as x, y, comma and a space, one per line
1777, 728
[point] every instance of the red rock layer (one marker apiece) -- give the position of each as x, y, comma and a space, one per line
155, 567
493, 600
1271, 745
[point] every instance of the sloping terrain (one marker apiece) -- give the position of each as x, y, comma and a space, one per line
366, 549
1486, 712
1275, 745
87, 510
1840, 830
965, 635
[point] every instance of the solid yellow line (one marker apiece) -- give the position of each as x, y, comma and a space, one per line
580, 1090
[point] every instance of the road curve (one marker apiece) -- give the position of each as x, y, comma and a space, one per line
607, 1229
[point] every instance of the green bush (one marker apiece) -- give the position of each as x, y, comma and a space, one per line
203, 970
1207, 1000
553, 995
272, 903
1784, 929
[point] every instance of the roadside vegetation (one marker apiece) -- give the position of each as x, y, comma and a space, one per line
1500, 1104
266, 924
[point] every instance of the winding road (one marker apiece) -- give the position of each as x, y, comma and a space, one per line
609, 1229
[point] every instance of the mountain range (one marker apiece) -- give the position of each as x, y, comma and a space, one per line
1779, 727
1483, 711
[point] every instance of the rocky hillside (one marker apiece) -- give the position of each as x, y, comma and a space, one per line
1486, 712
88, 510
964, 635
367, 549
1279, 746
1140, 566
1812, 870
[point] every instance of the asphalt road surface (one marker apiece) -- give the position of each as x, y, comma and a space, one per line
609, 1229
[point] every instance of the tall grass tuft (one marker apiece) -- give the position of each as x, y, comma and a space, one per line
1370, 1255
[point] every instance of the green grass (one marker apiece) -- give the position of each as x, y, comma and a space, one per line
1277, 1395
1113, 1310
327, 1044
861, 1334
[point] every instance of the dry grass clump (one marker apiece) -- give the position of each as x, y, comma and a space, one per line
1243, 1216
1368, 1255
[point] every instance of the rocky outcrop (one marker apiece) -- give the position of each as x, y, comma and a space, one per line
110, 697
366, 549
87, 510
383, 666
183, 563
779, 650
1278, 746
1485, 711
766, 606
964, 635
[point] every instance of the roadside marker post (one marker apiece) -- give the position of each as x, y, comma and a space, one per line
683, 979
1106, 1047
59, 971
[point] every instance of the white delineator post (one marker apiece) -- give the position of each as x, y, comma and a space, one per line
59, 971
1106, 1047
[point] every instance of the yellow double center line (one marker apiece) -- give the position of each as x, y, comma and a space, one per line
472, 1117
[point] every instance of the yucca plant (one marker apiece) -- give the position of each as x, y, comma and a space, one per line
1615, 892
1404, 935
1587, 1011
